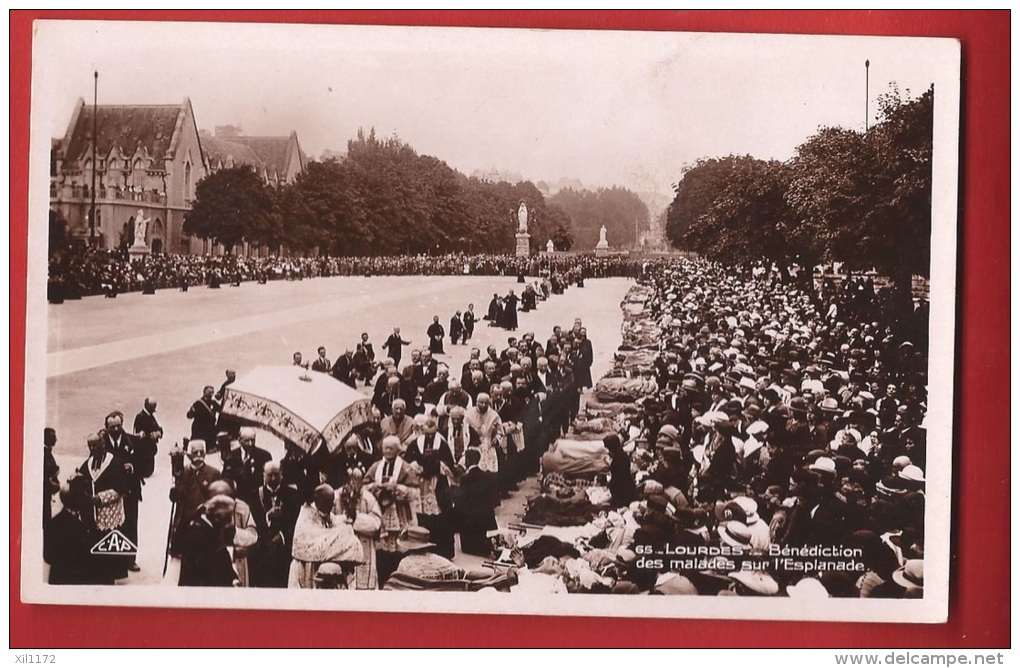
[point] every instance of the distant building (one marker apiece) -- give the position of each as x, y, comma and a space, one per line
150, 158
496, 175
277, 160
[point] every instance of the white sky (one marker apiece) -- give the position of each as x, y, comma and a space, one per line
607, 108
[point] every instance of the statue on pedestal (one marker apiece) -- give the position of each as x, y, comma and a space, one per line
550, 247
522, 218
602, 247
141, 225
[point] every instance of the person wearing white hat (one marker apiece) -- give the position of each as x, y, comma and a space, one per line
910, 576
807, 589
758, 530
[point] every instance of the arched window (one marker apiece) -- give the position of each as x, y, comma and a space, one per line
187, 180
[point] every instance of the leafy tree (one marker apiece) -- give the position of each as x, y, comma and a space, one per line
621, 211
231, 206
562, 239
859, 198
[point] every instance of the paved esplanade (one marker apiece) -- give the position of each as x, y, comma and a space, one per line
109, 354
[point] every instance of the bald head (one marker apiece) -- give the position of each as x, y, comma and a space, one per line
221, 487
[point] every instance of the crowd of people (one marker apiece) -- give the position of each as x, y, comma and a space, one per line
83, 270
753, 438
761, 441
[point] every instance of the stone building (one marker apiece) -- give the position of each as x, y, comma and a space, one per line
149, 159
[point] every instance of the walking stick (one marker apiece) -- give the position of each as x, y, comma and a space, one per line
169, 536
176, 469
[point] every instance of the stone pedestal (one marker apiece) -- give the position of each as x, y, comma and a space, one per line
601, 249
137, 252
523, 244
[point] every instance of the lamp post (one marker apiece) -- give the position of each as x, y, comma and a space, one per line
92, 192
867, 64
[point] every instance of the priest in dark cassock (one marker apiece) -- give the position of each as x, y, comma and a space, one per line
510, 312
436, 333
103, 481
480, 496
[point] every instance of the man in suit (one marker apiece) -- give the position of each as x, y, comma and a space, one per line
545, 380
469, 322
394, 346
275, 513
368, 368
585, 358
244, 466
344, 368
456, 329
51, 483
322, 363
298, 470
191, 483
480, 496
393, 392
426, 372
348, 456
457, 433
435, 390
204, 415
138, 463
148, 432
474, 362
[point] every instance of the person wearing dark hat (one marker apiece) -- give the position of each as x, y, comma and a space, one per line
796, 433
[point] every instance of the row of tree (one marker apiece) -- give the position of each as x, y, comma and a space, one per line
619, 210
383, 198
861, 198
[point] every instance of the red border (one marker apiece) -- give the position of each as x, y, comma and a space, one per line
979, 611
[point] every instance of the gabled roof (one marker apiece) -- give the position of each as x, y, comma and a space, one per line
126, 127
218, 150
273, 151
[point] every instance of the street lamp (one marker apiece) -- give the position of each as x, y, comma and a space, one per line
867, 64
95, 158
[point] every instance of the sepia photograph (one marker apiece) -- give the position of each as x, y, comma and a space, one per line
479, 320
